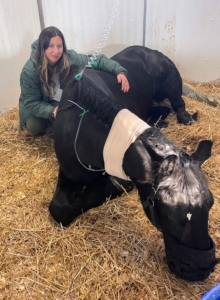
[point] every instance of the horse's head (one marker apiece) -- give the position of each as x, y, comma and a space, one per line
179, 205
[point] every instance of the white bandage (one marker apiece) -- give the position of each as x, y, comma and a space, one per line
125, 129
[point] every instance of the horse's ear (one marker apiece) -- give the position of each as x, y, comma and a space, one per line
203, 152
167, 165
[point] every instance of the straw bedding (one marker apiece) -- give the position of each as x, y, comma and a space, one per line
111, 252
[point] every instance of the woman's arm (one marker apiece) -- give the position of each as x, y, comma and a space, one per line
102, 63
32, 97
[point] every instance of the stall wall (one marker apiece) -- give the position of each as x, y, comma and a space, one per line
19, 26
187, 31
84, 22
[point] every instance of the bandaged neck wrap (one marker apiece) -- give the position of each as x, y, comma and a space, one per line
125, 129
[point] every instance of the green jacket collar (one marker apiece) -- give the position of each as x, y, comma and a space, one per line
33, 51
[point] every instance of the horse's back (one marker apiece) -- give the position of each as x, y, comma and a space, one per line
149, 61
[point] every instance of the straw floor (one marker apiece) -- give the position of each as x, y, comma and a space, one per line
111, 252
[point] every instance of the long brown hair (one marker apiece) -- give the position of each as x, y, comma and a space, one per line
62, 66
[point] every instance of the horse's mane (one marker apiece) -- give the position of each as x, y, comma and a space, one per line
89, 96
70, 78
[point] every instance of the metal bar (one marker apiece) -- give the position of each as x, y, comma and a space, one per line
144, 21
41, 14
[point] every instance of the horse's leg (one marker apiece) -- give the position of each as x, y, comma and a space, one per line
71, 199
172, 89
157, 116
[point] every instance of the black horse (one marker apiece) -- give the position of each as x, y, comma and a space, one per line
172, 188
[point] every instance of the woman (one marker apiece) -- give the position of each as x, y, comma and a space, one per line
42, 75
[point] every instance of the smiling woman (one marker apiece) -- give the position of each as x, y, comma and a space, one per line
55, 50
42, 77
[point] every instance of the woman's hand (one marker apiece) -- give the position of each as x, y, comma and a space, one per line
124, 82
55, 111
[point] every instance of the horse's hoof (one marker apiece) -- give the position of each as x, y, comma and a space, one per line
185, 118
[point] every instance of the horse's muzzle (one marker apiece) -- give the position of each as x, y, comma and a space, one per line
187, 263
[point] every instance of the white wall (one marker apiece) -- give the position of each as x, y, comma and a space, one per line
19, 26
187, 31
83, 23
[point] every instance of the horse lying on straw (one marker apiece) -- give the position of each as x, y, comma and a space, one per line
112, 141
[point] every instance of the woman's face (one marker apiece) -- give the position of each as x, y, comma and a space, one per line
54, 50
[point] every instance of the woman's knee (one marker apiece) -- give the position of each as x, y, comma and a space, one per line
36, 125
